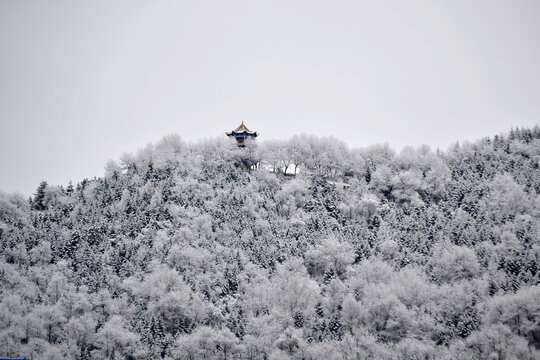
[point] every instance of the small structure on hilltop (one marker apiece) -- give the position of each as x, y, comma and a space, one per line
245, 143
242, 133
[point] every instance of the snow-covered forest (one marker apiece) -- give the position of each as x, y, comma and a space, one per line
180, 252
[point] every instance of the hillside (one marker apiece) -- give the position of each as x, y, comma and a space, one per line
180, 253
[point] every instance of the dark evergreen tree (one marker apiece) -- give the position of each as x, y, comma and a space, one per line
38, 202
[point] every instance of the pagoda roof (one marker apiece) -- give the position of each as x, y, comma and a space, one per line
242, 129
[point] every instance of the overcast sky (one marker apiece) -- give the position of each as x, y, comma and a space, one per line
81, 82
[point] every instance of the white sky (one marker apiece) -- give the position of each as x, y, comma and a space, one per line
83, 81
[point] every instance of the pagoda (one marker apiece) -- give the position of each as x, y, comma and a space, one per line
241, 133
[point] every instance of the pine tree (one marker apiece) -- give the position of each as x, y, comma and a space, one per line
298, 319
69, 189
39, 197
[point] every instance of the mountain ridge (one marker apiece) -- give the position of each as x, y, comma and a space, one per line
181, 252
